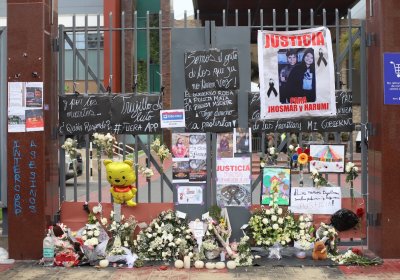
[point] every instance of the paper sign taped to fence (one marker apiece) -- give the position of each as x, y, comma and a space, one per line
296, 73
172, 118
310, 200
343, 121
233, 170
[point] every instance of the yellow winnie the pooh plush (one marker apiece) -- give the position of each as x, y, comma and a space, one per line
121, 177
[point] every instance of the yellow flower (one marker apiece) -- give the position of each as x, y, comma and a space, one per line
303, 158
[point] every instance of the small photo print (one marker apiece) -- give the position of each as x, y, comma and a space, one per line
225, 145
242, 140
34, 120
180, 145
34, 97
180, 171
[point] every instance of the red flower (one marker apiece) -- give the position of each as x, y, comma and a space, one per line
360, 212
299, 150
356, 251
66, 256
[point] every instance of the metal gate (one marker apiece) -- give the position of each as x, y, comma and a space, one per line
349, 42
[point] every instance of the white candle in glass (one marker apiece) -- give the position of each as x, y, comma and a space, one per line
186, 262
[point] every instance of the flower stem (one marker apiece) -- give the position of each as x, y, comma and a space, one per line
352, 192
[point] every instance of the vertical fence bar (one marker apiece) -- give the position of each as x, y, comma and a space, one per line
74, 68
350, 70
86, 56
148, 153
236, 17
61, 87
223, 18
337, 38
98, 54
111, 50
338, 70
298, 19
160, 25
311, 17
287, 19
274, 19
111, 75
135, 60
364, 120
261, 19
123, 52
136, 162
148, 50
184, 19
87, 155
248, 17
323, 17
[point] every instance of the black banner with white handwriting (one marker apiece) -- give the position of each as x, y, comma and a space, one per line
81, 114
212, 69
342, 122
211, 111
136, 114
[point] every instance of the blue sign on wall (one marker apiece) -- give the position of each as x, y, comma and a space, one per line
391, 78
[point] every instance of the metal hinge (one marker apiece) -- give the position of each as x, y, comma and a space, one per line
370, 39
55, 45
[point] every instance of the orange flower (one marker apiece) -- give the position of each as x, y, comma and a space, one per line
303, 158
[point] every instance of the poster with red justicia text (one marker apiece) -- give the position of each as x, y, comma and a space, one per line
296, 73
234, 182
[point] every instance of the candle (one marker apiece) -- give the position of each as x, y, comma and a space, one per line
222, 255
186, 262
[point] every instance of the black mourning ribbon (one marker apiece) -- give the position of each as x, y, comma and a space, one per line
321, 58
271, 88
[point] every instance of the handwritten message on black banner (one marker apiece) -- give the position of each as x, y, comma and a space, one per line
84, 114
211, 111
134, 114
212, 69
343, 122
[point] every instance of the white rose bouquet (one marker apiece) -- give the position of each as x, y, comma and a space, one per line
104, 143
268, 226
318, 179
167, 237
70, 146
351, 174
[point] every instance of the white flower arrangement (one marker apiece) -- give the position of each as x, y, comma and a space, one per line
318, 179
328, 234
146, 171
90, 235
104, 143
268, 226
161, 150
209, 245
244, 257
303, 237
166, 237
70, 146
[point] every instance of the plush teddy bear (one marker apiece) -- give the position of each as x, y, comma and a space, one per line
121, 177
319, 251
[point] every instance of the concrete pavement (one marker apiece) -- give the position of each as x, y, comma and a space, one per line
30, 270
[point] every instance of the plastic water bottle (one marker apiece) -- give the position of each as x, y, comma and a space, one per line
48, 251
